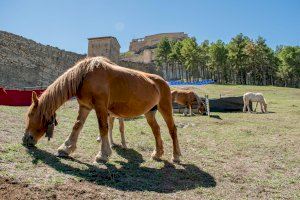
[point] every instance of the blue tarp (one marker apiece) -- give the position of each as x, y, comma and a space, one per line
179, 82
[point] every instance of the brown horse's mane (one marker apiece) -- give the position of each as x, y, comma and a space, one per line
67, 85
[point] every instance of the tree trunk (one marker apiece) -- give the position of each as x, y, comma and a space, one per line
167, 72
186, 75
264, 78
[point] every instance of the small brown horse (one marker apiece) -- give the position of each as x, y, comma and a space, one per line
109, 89
186, 98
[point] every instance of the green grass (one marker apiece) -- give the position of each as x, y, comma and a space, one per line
239, 156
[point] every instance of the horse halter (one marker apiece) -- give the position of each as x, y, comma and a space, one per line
50, 127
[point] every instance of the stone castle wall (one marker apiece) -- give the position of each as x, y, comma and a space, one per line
147, 56
25, 63
138, 45
145, 67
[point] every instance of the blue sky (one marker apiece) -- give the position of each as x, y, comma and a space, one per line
68, 23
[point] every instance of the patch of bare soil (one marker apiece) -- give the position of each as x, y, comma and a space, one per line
11, 189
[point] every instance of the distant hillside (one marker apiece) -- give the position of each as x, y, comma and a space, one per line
26, 63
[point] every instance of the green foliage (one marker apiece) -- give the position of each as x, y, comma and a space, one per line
289, 67
163, 53
204, 54
241, 61
218, 56
163, 50
237, 56
175, 54
190, 53
260, 61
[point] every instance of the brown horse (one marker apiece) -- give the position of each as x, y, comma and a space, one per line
109, 89
187, 98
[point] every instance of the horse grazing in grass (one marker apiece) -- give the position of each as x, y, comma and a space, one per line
254, 97
109, 89
110, 130
186, 98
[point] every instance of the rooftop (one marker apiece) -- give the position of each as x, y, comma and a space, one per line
105, 37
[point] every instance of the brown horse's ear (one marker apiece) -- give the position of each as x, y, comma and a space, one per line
35, 99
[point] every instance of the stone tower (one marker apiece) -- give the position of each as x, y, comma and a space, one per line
104, 46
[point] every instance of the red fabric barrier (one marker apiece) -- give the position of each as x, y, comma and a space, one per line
17, 97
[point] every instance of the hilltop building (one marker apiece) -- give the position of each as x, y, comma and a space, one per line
151, 41
141, 51
104, 46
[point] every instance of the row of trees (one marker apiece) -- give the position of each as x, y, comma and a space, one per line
241, 61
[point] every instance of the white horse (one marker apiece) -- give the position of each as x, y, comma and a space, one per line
254, 97
110, 129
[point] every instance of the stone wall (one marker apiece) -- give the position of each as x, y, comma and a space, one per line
145, 67
138, 45
147, 56
26, 63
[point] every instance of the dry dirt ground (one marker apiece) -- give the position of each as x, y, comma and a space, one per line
228, 156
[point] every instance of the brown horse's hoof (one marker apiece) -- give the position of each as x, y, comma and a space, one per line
62, 154
101, 159
175, 160
157, 156
113, 145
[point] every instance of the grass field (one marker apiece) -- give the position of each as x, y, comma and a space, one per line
231, 156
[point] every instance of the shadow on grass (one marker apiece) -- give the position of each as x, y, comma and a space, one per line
131, 176
269, 112
215, 116
189, 116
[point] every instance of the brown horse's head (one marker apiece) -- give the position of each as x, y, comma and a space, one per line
202, 108
36, 125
